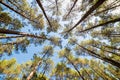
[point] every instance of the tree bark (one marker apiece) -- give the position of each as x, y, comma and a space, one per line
106, 9
41, 6
100, 2
71, 8
115, 63
36, 67
102, 24
75, 67
56, 1
6, 31
7, 37
17, 11
108, 51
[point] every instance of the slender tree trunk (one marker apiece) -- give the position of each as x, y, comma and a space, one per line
102, 24
33, 72
36, 67
6, 31
117, 54
100, 2
17, 11
112, 47
115, 63
8, 37
75, 67
41, 6
109, 34
106, 9
87, 73
71, 8
98, 74
17, 6
103, 73
56, 1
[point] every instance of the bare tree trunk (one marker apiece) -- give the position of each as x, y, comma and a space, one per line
117, 54
115, 63
41, 6
16, 11
36, 67
75, 67
32, 73
102, 24
98, 74
87, 73
6, 31
112, 47
71, 8
7, 37
56, 1
106, 9
100, 2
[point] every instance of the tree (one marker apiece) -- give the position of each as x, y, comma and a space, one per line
63, 39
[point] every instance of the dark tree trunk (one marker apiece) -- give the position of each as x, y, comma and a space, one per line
41, 6
102, 24
71, 8
115, 63
100, 2
75, 67
6, 31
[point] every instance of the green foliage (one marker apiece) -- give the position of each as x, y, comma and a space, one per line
65, 49
4, 17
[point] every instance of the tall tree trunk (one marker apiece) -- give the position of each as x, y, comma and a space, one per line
98, 74
117, 54
115, 63
7, 37
75, 67
41, 6
109, 8
111, 47
87, 73
6, 31
36, 67
56, 2
33, 72
102, 24
71, 8
100, 2
17, 11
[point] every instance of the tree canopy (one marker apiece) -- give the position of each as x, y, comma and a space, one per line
70, 39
